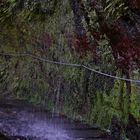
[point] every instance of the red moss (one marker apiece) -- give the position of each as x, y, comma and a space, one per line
81, 45
125, 41
124, 34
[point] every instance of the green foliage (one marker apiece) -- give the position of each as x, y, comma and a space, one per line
77, 92
115, 9
30, 10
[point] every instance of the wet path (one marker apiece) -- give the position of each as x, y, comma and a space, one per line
20, 119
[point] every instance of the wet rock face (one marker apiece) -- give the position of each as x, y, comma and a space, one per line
4, 137
133, 128
116, 129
